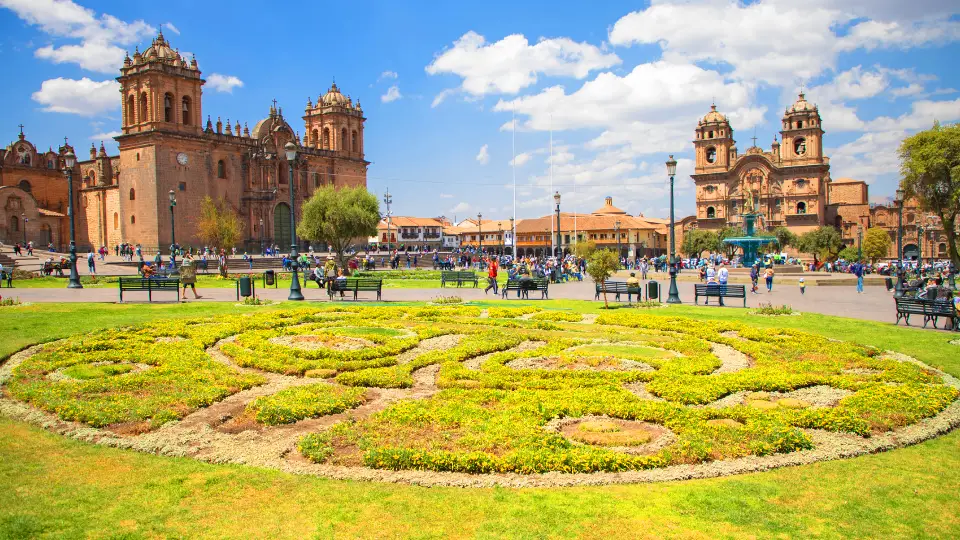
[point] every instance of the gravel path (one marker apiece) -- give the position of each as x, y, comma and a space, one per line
731, 360
475, 362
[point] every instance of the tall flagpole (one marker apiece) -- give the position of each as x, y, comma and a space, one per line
513, 164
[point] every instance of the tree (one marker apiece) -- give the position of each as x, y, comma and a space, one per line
584, 249
822, 242
784, 237
339, 217
600, 266
696, 241
729, 232
876, 244
848, 253
930, 166
219, 226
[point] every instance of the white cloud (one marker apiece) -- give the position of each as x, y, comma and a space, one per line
169, 26
921, 116
105, 136
84, 97
223, 83
393, 94
911, 89
387, 75
460, 207
520, 159
99, 38
512, 64
484, 156
871, 35
444, 94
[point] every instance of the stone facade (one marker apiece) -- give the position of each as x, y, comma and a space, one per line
165, 146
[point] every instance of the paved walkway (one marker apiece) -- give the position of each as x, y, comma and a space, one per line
874, 304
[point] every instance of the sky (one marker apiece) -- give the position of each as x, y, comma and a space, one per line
452, 91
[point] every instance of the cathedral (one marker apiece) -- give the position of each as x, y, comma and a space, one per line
166, 146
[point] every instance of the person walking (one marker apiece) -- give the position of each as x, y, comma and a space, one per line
768, 276
188, 276
754, 277
857, 270
91, 263
722, 276
492, 277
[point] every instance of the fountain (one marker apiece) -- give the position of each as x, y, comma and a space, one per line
750, 244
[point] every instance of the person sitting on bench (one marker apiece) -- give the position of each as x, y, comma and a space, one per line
633, 286
148, 271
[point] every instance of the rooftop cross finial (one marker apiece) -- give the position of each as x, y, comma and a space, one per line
754, 136
21, 130
65, 141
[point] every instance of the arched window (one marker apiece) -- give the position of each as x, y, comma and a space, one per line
711, 134
711, 212
133, 220
221, 169
326, 138
942, 249
14, 224
711, 155
356, 142
130, 110
799, 124
116, 220
186, 110
316, 180
315, 139
133, 194
25, 185
343, 139
801, 208
143, 107
168, 108
92, 178
84, 201
49, 163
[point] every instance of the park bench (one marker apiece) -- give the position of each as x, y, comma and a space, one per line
617, 288
524, 286
442, 265
459, 277
150, 285
719, 291
931, 310
356, 285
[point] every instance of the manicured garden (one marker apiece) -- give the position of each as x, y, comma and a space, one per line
482, 395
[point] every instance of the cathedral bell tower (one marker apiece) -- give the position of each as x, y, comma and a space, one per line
802, 135
714, 145
160, 91
335, 123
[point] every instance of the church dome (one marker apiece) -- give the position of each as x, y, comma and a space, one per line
801, 105
160, 50
334, 97
713, 116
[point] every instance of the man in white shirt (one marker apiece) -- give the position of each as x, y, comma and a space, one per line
722, 276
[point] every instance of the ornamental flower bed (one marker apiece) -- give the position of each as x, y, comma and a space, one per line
443, 389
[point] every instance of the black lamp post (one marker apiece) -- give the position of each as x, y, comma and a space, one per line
920, 231
173, 231
261, 237
674, 294
69, 160
291, 151
898, 292
480, 232
387, 199
556, 199
859, 242
25, 220
513, 239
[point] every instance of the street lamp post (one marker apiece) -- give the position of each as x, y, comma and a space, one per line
479, 232
69, 160
25, 220
556, 199
898, 292
387, 199
674, 293
920, 231
859, 242
261, 237
513, 240
291, 151
173, 232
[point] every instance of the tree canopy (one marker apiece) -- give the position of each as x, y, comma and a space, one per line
785, 237
339, 217
824, 243
930, 166
696, 241
729, 232
600, 266
876, 244
218, 225
584, 248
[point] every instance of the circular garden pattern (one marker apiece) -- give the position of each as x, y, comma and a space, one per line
464, 396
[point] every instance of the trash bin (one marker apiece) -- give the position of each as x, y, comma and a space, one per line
245, 286
269, 278
653, 290
889, 282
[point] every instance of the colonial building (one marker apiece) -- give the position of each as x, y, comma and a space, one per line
165, 146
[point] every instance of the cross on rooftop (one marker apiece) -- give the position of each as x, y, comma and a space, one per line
21, 129
65, 141
754, 136
274, 103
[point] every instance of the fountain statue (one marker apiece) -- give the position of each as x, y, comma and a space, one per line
750, 243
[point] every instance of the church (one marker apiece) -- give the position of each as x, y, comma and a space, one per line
165, 145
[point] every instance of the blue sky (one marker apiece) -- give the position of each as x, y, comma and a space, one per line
621, 84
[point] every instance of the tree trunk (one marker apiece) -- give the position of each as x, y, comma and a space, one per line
949, 229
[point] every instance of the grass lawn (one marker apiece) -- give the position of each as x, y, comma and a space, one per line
57, 487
